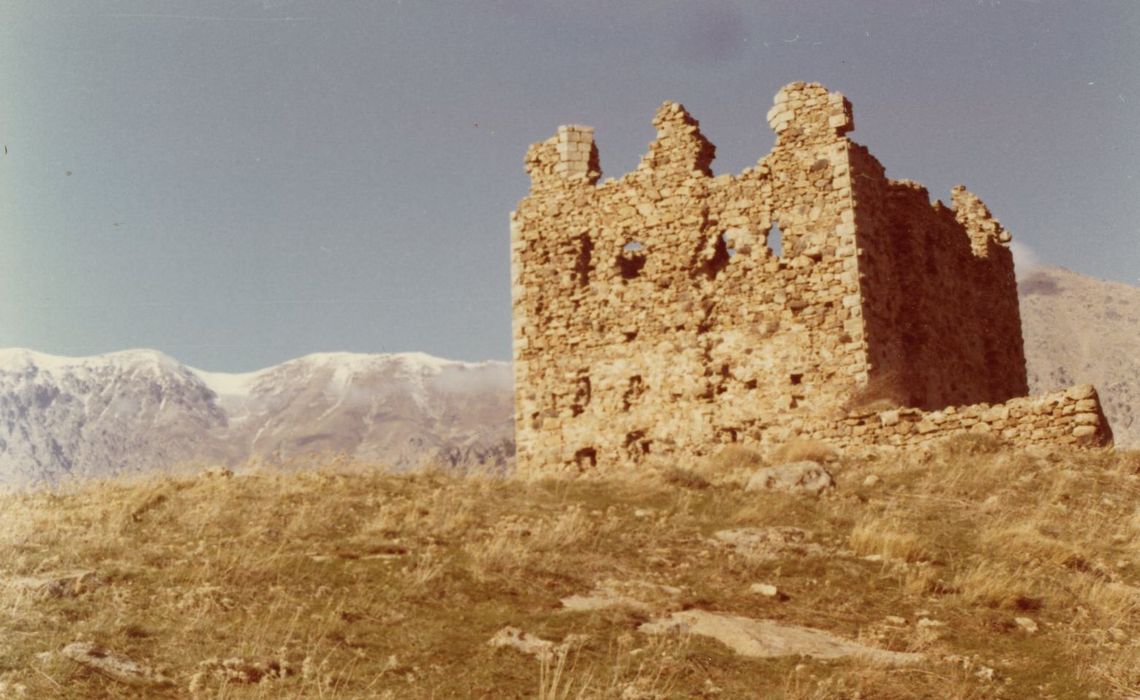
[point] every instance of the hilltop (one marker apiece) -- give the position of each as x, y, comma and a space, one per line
964, 571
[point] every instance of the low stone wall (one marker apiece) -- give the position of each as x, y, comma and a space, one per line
1072, 417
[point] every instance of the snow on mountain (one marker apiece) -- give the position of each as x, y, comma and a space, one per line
139, 410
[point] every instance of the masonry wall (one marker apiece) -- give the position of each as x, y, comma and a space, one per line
652, 317
1065, 418
938, 292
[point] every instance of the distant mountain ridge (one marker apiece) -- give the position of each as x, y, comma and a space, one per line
139, 410
1078, 330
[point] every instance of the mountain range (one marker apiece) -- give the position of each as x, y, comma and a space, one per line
139, 410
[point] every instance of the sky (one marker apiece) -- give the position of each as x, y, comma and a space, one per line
241, 182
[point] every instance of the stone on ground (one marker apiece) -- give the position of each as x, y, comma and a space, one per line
794, 477
766, 543
770, 639
638, 595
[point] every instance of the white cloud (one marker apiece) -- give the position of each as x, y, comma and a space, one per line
1025, 261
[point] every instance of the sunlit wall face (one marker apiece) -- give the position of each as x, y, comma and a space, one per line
240, 183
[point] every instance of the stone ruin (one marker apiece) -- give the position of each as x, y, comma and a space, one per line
673, 311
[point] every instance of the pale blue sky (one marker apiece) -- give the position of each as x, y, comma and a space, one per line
253, 180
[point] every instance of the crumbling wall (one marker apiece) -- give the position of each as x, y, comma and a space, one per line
651, 314
938, 293
1065, 418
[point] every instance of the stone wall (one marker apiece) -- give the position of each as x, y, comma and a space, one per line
651, 314
1068, 418
939, 295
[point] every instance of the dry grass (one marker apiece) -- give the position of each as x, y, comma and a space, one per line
801, 449
887, 538
357, 583
882, 392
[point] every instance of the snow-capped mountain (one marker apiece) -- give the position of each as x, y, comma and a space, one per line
139, 410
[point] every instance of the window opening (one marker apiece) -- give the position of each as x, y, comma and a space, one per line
582, 264
775, 240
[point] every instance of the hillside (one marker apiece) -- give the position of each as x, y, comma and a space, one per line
963, 572
140, 411
1082, 330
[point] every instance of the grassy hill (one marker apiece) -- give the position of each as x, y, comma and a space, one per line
1012, 574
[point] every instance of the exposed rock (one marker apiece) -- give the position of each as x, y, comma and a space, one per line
765, 589
639, 595
770, 639
764, 543
526, 643
807, 477
113, 665
1026, 624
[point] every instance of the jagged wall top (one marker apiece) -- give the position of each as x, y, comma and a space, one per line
803, 113
680, 146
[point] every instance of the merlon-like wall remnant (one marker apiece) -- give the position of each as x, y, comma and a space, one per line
672, 311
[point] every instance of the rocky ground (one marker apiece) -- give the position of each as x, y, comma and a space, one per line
959, 572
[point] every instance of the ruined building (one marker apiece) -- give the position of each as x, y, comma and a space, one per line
672, 311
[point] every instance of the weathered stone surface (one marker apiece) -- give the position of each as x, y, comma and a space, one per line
113, 665
672, 311
639, 595
765, 589
794, 477
770, 639
764, 543
515, 638
1026, 623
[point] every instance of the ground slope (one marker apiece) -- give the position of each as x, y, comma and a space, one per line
1011, 575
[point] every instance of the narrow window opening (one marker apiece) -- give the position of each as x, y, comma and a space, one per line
797, 378
585, 255
633, 247
775, 239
